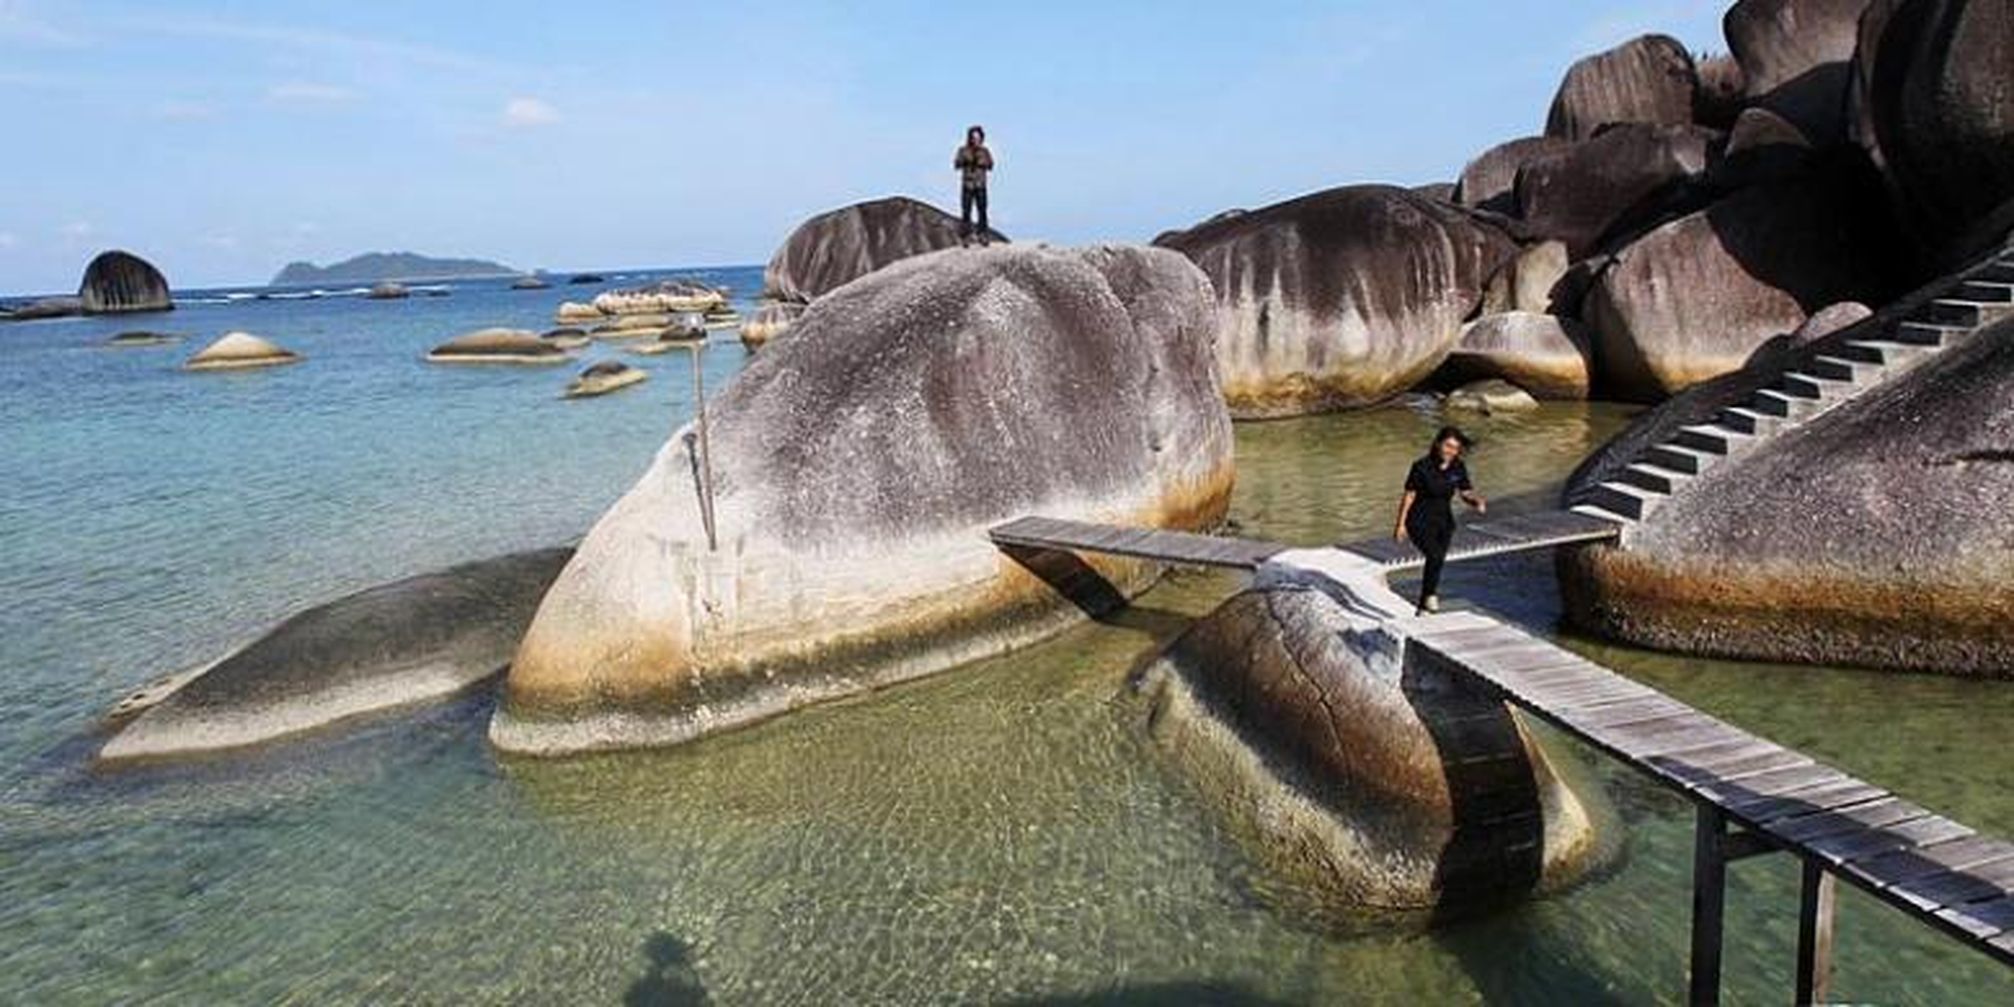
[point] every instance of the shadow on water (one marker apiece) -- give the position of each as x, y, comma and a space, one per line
670, 979
1202, 994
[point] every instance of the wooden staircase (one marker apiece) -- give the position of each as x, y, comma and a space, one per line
1950, 315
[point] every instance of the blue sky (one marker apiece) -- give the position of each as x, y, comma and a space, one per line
223, 139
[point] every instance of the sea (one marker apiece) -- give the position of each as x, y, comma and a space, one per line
999, 833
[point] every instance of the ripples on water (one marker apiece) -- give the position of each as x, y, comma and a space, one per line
999, 832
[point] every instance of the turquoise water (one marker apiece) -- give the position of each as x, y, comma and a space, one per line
998, 833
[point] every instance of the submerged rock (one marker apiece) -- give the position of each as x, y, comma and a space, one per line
119, 282
1867, 535
1543, 354
1339, 299
413, 640
1491, 396
238, 351
840, 246
574, 311
856, 467
388, 291
529, 283
498, 346
603, 378
1357, 770
567, 338
769, 321
47, 307
144, 337
660, 298
1648, 80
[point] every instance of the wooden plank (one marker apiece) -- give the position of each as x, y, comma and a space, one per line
1817, 798
1874, 814
1987, 919
1923, 830
1770, 784
1888, 870
1989, 880
1745, 757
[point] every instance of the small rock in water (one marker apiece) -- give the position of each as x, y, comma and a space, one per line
1490, 397
240, 351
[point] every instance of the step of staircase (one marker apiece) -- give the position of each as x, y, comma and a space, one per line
1711, 438
1887, 353
1783, 404
1621, 498
1743, 419
1842, 369
1931, 334
1679, 458
1987, 291
1655, 478
1813, 386
1965, 313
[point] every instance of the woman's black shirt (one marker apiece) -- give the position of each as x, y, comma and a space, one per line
1434, 488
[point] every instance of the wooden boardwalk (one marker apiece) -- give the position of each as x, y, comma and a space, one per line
1776, 799
1751, 796
1523, 533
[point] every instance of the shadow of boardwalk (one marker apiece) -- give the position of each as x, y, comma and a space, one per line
1206, 993
670, 980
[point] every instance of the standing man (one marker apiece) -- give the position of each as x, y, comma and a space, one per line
973, 161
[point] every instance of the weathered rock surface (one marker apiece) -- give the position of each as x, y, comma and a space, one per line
1584, 193
574, 311
1528, 282
1491, 396
498, 346
1695, 297
118, 282
144, 337
388, 291
1648, 80
770, 320
47, 307
1490, 181
1796, 57
567, 338
603, 378
1723, 90
529, 283
239, 351
1932, 93
660, 298
1543, 354
1867, 535
1762, 147
1363, 778
1342, 298
839, 246
856, 467
402, 643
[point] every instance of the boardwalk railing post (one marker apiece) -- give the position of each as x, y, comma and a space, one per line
1709, 896
1814, 934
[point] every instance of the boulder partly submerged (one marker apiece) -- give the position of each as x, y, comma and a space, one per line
856, 468
839, 246
603, 378
120, 282
1545, 355
394, 645
239, 351
1358, 772
1340, 299
499, 346
1868, 535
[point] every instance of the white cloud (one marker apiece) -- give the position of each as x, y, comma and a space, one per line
221, 239
77, 230
529, 112
8, 240
309, 92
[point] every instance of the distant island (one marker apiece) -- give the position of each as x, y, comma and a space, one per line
374, 267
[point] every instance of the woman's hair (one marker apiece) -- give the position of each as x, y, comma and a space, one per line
1433, 449
975, 133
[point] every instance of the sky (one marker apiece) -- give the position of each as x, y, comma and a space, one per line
222, 140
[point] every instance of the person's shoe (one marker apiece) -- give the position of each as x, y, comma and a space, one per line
1431, 603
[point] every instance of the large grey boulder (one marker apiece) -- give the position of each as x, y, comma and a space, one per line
1543, 354
839, 246
1490, 181
402, 643
1932, 82
1339, 299
1872, 534
1695, 297
1364, 778
856, 467
1796, 57
119, 282
1529, 281
1583, 193
1650, 79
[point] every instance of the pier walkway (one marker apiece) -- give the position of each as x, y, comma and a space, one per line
1751, 796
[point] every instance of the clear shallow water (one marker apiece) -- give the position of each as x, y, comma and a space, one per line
998, 833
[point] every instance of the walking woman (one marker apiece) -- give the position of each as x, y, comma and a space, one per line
1426, 510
